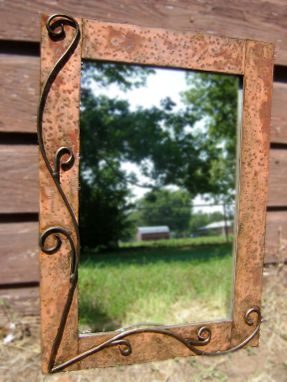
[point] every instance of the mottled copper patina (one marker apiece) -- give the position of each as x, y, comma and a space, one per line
60, 128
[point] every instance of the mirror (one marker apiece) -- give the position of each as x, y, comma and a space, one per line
157, 195
157, 145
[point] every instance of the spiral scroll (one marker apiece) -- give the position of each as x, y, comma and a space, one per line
56, 29
51, 239
203, 338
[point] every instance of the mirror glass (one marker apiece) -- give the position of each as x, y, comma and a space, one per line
157, 195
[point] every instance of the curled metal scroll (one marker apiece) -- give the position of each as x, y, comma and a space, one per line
55, 27
203, 338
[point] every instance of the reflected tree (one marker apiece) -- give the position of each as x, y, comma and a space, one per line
191, 148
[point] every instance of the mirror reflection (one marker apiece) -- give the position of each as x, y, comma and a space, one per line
157, 195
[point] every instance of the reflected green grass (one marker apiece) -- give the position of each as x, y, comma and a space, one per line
155, 283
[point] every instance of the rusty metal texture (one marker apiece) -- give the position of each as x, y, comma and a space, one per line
58, 135
151, 46
123, 342
253, 179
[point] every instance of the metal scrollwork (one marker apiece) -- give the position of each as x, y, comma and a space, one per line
65, 165
203, 338
56, 29
56, 233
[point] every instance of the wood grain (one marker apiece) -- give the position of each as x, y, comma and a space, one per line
19, 302
277, 178
248, 19
19, 263
279, 113
20, 94
19, 247
19, 97
19, 83
19, 252
276, 237
19, 179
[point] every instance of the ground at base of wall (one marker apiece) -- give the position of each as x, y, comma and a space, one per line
20, 355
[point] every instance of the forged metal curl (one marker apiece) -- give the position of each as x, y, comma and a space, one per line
55, 27
56, 233
203, 338
125, 347
65, 165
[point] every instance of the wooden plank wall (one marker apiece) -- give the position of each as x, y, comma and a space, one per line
19, 80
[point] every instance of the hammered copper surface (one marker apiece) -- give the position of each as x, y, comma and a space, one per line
150, 347
131, 44
252, 182
60, 128
160, 47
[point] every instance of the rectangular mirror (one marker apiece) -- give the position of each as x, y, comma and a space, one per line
157, 197
165, 259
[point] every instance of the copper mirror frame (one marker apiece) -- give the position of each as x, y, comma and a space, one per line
65, 42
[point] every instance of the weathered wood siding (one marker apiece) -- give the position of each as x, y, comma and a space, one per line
19, 83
